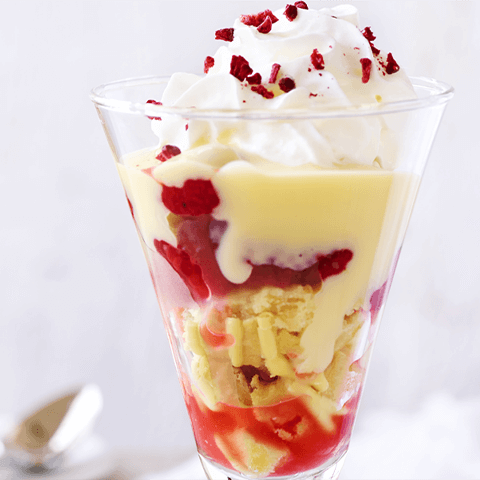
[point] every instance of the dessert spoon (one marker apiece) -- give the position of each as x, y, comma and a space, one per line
40, 441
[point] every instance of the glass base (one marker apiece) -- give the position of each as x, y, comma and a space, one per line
328, 471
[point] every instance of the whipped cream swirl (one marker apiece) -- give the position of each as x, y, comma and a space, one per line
331, 63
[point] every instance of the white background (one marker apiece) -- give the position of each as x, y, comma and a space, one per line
76, 304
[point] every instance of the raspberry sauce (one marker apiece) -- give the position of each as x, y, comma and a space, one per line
288, 426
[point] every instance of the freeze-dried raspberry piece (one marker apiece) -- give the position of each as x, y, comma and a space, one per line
334, 263
265, 26
291, 12
366, 69
301, 5
392, 65
257, 19
274, 73
167, 152
195, 197
317, 60
154, 102
255, 79
368, 34
240, 68
224, 34
261, 90
208, 64
286, 84
189, 271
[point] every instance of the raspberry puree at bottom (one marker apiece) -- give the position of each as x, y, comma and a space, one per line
288, 427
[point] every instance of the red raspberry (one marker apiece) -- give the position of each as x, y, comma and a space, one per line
255, 79
301, 5
291, 12
194, 234
240, 68
282, 277
392, 65
257, 19
224, 34
334, 263
189, 271
265, 26
196, 197
261, 90
368, 34
274, 73
167, 152
317, 60
366, 69
208, 64
286, 84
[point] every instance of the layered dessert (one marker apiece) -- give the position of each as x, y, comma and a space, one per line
271, 236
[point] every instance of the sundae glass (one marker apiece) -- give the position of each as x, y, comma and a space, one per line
271, 196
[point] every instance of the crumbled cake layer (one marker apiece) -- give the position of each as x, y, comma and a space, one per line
260, 334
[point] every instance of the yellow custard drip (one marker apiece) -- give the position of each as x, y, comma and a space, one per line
288, 216
291, 215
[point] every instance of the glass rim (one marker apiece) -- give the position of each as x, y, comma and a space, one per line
437, 93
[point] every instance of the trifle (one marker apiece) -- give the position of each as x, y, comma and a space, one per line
271, 208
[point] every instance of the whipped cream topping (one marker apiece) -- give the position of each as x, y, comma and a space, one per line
331, 62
